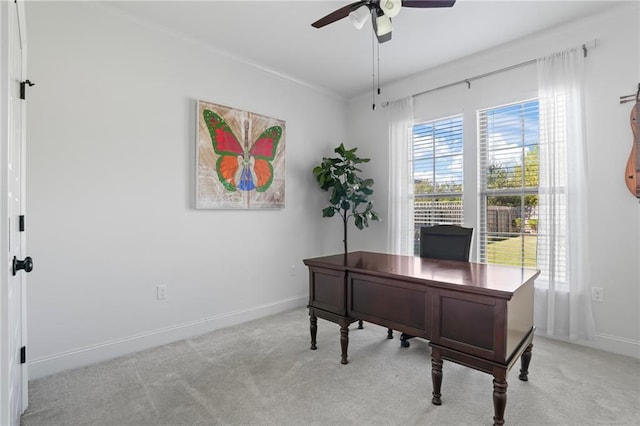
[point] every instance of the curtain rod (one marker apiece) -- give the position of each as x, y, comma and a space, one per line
585, 47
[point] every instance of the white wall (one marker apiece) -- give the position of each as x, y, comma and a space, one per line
110, 182
612, 70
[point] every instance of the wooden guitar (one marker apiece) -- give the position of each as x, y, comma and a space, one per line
632, 172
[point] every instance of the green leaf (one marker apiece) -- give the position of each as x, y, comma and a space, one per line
328, 212
337, 193
356, 202
358, 221
348, 193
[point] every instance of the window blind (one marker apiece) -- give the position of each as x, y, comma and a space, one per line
437, 173
509, 160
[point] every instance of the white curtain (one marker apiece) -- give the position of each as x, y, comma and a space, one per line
563, 305
400, 215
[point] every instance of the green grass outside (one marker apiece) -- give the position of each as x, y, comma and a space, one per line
508, 252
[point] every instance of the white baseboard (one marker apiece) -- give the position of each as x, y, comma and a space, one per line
607, 342
88, 355
112, 349
615, 344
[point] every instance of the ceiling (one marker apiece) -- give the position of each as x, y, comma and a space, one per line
277, 35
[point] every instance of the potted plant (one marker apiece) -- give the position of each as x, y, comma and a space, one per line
348, 193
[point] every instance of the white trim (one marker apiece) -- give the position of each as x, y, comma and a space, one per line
4, 219
22, 27
114, 348
605, 342
238, 58
615, 344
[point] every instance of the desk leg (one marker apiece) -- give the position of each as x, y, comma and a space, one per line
525, 359
436, 375
313, 328
344, 341
499, 395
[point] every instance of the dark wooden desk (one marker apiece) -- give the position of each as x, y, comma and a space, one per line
473, 314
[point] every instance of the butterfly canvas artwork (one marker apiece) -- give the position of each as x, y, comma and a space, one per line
240, 159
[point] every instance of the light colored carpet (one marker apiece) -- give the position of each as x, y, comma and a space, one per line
263, 373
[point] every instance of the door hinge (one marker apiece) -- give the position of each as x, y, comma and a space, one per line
21, 223
23, 355
23, 88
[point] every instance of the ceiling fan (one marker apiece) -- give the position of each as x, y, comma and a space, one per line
381, 12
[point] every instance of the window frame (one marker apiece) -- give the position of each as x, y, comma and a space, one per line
527, 256
455, 125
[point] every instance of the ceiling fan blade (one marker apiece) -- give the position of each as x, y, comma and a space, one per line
338, 14
428, 3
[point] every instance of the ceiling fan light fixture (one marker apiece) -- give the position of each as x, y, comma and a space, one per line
359, 16
390, 7
383, 25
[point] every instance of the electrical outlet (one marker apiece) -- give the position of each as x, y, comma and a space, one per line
161, 292
292, 271
597, 294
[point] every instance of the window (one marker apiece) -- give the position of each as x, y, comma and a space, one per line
436, 165
509, 162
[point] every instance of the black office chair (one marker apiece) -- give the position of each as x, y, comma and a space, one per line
446, 242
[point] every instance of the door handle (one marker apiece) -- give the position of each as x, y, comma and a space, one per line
26, 264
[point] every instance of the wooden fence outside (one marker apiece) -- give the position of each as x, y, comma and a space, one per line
500, 219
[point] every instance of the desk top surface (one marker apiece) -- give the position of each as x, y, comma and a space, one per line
445, 273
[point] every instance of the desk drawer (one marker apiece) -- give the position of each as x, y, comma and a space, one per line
328, 290
470, 323
390, 303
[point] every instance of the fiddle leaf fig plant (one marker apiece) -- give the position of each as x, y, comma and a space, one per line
348, 193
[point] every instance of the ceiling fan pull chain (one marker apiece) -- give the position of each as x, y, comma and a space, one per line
373, 71
378, 68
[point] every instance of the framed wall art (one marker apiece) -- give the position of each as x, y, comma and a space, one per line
240, 159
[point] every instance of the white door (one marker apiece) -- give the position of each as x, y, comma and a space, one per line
13, 373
